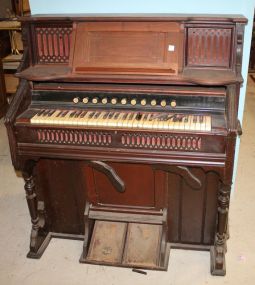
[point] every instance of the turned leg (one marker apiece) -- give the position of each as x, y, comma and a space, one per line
36, 210
219, 249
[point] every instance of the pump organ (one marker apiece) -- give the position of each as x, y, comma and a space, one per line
124, 127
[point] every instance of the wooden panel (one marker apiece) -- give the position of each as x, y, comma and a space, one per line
3, 99
212, 186
59, 184
209, 47
139, 182
192, 213
53, 43
174, 207
127, 47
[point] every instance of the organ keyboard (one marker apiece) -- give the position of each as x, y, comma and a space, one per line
124, 128
110, 119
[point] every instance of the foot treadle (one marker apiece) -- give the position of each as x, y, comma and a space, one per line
128, 244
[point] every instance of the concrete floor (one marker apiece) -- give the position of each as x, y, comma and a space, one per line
59, 264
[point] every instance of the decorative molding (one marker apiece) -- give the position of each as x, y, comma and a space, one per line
53, 43
74, 137
161, 141
193, 181
209, 46
116, 181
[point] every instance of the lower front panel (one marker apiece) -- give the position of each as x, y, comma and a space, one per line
65, 186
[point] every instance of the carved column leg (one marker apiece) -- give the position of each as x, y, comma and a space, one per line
36, 210
219, 249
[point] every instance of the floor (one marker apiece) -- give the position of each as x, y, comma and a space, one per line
59, 264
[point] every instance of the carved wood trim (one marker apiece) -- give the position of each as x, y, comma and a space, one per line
12, 113
116, 181
184, 172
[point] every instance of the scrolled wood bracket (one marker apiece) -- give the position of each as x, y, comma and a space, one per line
103, 167
193, 181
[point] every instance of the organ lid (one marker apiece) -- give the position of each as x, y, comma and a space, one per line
136, 17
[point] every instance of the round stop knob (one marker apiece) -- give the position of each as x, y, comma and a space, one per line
133, 102
76, 100
95, 100
85, 100
153, 102
163, 103
143, 102
104, 101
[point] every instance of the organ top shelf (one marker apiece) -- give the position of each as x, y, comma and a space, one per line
124, 48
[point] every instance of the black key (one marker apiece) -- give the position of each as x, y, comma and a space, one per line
72, 114
91, 115
105, 116
64, 113
82, 115
125, 116
194, 119
51, 113
175, 119
60, 114
201, 119
40, 112
96, 115
139, 116
77, 114
45, 113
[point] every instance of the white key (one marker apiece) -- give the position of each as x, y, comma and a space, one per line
35, 119
54, 116
92, 119
208, 124
99, 119
148, 122
131, 120
113, 120
126, 120
120, 120
79, 119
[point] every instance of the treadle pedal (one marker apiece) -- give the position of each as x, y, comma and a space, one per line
126, 244
107, 242
142, 248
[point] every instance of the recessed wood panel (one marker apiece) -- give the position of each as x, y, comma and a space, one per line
53, 43
192, 213
129, 47
60, 185
209, 47
139, 186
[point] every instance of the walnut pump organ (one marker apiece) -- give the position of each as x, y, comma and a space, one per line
124, 127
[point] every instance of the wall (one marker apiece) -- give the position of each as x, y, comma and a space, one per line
244, 7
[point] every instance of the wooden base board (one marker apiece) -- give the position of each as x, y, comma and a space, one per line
46, 241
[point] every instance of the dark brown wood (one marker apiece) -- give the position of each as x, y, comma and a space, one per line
77, 176
126, 48
3, 97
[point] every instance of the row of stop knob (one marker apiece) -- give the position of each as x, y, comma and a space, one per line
124, 101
